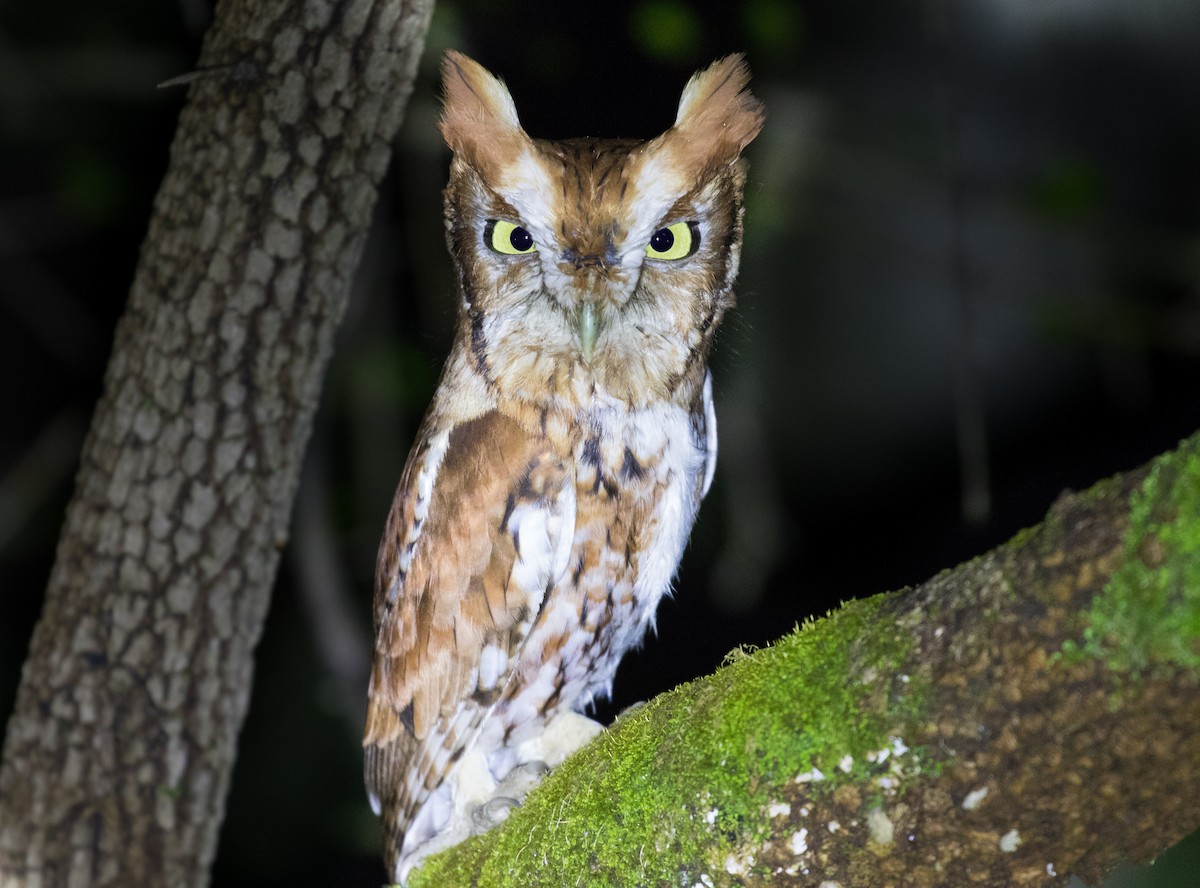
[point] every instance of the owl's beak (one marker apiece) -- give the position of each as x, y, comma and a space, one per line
589, 328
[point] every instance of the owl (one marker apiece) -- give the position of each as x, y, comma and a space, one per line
555, 478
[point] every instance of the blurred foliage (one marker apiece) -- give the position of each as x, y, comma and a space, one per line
89, 185
666, 29
295, 808
1069, 190
392, 375
774, 29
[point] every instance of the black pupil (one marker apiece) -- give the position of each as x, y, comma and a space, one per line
520, 239
662, 240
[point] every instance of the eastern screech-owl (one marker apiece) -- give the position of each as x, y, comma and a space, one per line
557, 474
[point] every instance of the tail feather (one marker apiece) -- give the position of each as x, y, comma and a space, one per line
384, 769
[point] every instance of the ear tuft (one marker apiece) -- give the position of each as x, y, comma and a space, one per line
718, 116
479, 120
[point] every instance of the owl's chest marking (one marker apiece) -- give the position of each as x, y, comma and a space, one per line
638, 481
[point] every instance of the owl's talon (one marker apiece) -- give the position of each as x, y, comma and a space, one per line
521, 780
492, 813
530, 773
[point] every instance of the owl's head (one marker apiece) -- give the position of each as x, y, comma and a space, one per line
595, 268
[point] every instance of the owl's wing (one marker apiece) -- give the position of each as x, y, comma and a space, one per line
481, 526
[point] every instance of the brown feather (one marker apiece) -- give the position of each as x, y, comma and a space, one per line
450, 604
717, 107
717, 118
428, 643
479, 120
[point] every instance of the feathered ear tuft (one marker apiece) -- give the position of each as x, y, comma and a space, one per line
718, 116
479, 120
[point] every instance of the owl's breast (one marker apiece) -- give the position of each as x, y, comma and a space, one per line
638, 481
637, 490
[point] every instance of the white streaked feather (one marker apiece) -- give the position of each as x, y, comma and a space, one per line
544, 530
528, 186
685, 461
493, 660
426, 476
659, 183
565, 529
710, 435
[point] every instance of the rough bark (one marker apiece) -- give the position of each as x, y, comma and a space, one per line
1028, 716
119, 751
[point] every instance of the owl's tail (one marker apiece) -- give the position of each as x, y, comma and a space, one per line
384, 767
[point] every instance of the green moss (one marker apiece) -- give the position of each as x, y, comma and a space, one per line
1148, 615
636, 806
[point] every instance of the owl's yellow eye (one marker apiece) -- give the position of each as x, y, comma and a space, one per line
676, 241
508, 238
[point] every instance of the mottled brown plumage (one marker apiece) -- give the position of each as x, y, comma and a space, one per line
544, 508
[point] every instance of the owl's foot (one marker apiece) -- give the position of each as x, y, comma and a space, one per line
522, 779
510, 792
492, 813
565, 733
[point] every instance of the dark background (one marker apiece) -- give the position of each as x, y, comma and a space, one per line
971, 280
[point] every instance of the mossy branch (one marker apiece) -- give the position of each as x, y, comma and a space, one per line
1029, 715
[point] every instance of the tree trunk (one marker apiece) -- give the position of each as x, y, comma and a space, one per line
119, 751
1028, 716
